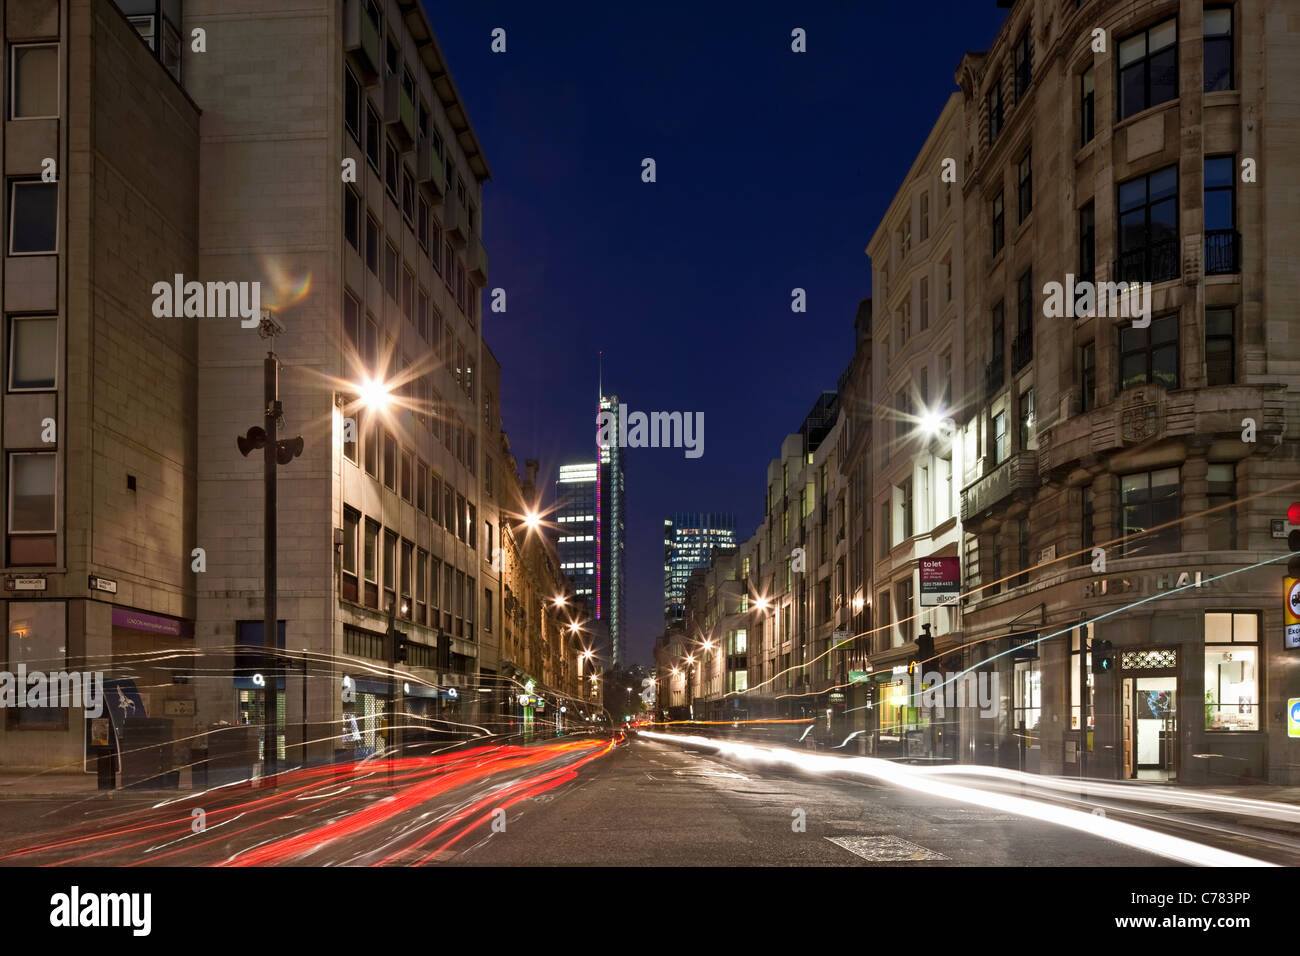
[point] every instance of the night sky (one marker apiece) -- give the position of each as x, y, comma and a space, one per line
774, 169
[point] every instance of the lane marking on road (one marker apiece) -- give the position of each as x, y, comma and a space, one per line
709, 773
886, 849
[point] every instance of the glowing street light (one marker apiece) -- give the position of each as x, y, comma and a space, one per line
532, 520
374, 394
761, 604
558, 600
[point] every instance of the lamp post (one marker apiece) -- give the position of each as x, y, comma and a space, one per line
274, 451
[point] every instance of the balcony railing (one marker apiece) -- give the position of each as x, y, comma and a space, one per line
1022, 350
1222, 252
1157, 262
1018, 475
995, 374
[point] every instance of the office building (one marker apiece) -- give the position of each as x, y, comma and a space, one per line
689, 542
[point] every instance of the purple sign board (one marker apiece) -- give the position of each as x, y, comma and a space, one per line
151, 623
940, 581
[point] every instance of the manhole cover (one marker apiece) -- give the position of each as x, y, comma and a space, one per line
886, 849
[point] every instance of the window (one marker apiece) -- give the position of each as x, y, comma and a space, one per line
1232, 670
1027, 438
993, 101
1022, 347
1221, 480
1000, 442
351, 217
998, 224
421, 486
38, 641
390, 567
370, 347
946, 268
390, 461
435, 499
32, 496
998, 347
1217, 30
408, 294
1087, 243
371, 557
1087, 528
449, 497
1088, 367
372, 137
925, 303
448, 595
421, 585
471, 526
405, 609
33, 353
1025, 186
925, 216
1149, 356
1220, 358
372, 245
352, 104
906, 504
1087, 108
351, 524
33, 217
1220, 215
884, 529
408, 197
1148, 68
1022, 64
390, 170
471, 452
422, 224
390, 269
1148, 227
1027, 707
487, 609
34, 88
1149, 499
407, 469
370, 437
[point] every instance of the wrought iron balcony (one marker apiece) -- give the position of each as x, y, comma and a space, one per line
1157, 262
1222, 252
1022, 350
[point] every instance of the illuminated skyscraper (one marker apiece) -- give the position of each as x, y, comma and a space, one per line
575, 516
689, 543
610, 510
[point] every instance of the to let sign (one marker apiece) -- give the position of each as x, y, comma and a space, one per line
940, 581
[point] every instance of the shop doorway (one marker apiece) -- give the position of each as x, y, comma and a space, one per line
1151, 728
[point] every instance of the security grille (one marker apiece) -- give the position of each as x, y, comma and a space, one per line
1151, 660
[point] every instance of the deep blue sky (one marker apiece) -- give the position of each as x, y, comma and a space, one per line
774, 169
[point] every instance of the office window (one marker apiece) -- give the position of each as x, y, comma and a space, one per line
389, 570
1087, 108
370, 437
435, 498
408, 197
1221, 495
1232, 690
33, 217
1088, 378
1022, 347
924, 303
1148, 227
352, 104
1027, 420
408, 468
390, 461
946, 268
421, 486
372, 138
390, 270
421, 585
32, 497
351, 217
408, 294
422, 224
998, 349
1221, 216
1087, 527
1148, 68
390, 170
1220, 357
371, 557
907, 505
33, 353
372, 245
471, 526
1025, 185
1001, 441
999, 223
1149, 356
1149, 499
449, 497
408, 560
1217, 30
435, 245
993, 103
38, 641
925, 216
351, 525
350, 447
34, 87
448, 595
487, 609
1022, 64
1087, 243
370, 346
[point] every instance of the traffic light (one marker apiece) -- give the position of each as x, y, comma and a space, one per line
403, 654
924, 645
1293, 540
444, 651
1103, 656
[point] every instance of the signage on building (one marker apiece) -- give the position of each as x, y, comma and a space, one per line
837, 698
1142, 584
96, 583
155, 623
25, 584
859, 677
1277, 527
1293, 717
940, 581
1024, 646
1291, 612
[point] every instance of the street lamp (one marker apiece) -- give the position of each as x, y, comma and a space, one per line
274, 452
